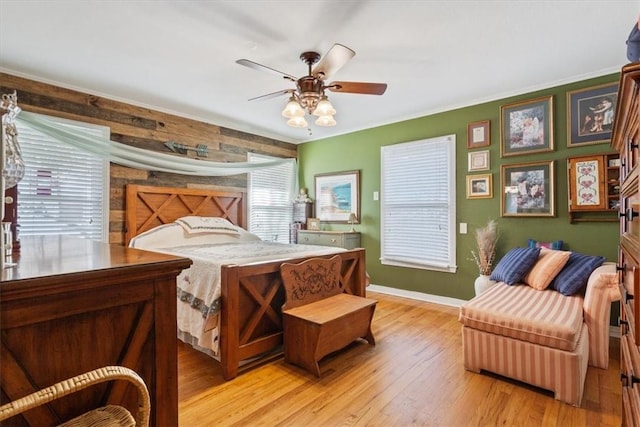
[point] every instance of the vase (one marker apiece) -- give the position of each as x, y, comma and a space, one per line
482, 283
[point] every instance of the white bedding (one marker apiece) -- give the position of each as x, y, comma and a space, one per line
199, 286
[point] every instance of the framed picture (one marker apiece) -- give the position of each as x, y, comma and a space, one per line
590, 114
527, 189
313, 224
478, 134
526, 127
479, 160
337, 196
480, 186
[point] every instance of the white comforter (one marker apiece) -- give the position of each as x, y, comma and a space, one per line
199, 285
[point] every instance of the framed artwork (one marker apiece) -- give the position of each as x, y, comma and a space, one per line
478, 134
590, 114
313, 224
480, 186
526, 127
528, 189
337, 196
479, 160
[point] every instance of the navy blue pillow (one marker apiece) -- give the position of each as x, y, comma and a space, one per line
515, 265
574, 275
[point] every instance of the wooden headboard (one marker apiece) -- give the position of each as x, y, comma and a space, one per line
147, 206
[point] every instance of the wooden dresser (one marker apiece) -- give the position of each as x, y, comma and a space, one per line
625, 140
340, 239
71, 305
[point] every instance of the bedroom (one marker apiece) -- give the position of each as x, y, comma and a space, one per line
343, 153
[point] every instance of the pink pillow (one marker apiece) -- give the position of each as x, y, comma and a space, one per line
549, 264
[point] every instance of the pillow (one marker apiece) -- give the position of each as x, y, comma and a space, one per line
174, 235
547, 267
556, 244
515, 265
206, 224
573, 277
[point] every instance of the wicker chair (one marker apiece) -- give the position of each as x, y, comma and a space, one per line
110, 415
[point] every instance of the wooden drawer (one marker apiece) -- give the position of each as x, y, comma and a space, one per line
339, 239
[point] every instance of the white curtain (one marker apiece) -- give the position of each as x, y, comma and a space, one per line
138, 158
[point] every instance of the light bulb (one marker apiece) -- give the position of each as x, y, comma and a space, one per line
292, 109
326, 121
297, 122
324, 108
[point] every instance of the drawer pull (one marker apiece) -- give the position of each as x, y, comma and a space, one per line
622, 267
632, 145
627, 296
624, 378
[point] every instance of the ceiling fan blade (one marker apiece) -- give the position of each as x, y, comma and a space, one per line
358, 87
271, 95
333, 60
261, 67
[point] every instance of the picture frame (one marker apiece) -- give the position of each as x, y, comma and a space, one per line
590, 114
479, 134
337, 196
313, 224
480, 186
526, 127
528, 189
478, 160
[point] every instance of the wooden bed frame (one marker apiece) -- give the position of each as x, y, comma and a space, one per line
252, 295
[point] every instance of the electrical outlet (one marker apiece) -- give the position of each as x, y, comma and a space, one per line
463, 228
376, 195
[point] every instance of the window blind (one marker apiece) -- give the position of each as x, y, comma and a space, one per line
64, 190
270, 200
418, 204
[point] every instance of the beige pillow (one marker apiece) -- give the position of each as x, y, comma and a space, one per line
549, 264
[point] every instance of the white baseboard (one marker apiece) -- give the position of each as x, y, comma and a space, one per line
614, 331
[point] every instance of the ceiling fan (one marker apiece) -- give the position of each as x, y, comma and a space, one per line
309, 93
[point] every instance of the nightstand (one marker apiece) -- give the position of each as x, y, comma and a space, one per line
340, 239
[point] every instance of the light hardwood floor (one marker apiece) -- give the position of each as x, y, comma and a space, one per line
412, 377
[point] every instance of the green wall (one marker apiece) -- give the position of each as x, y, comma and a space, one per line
361, 151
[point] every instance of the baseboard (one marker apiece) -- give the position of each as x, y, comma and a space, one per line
614, 331
437, 299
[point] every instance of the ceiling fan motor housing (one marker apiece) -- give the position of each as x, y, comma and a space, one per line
310, 90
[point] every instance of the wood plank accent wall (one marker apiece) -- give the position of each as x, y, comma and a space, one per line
148, 129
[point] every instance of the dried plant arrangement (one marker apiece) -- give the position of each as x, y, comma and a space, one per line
486, 239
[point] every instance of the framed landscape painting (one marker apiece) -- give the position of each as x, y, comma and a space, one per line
526, 127
337, 196
590, 114
528, 189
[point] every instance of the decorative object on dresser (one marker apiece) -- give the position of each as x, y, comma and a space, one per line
337, 196
590, 114
528, 189
479, 134
353, 219
72, 305
11, 172
340, 239
313, 224
625, 140
243, 290
526, 127
594, 187
318, 316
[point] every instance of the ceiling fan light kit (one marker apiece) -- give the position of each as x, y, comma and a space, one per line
309, 94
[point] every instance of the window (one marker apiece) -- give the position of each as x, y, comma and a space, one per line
418, 204
64, 190
270, 200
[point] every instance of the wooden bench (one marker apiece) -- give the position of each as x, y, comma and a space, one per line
318, 317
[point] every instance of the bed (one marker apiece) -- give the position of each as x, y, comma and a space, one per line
248, 323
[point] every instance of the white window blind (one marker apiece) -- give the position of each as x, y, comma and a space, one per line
418, 204
270, 200
64, 190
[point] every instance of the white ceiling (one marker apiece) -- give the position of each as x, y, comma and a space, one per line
179, 56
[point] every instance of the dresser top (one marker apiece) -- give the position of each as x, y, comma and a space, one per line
44, 257
328, 232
